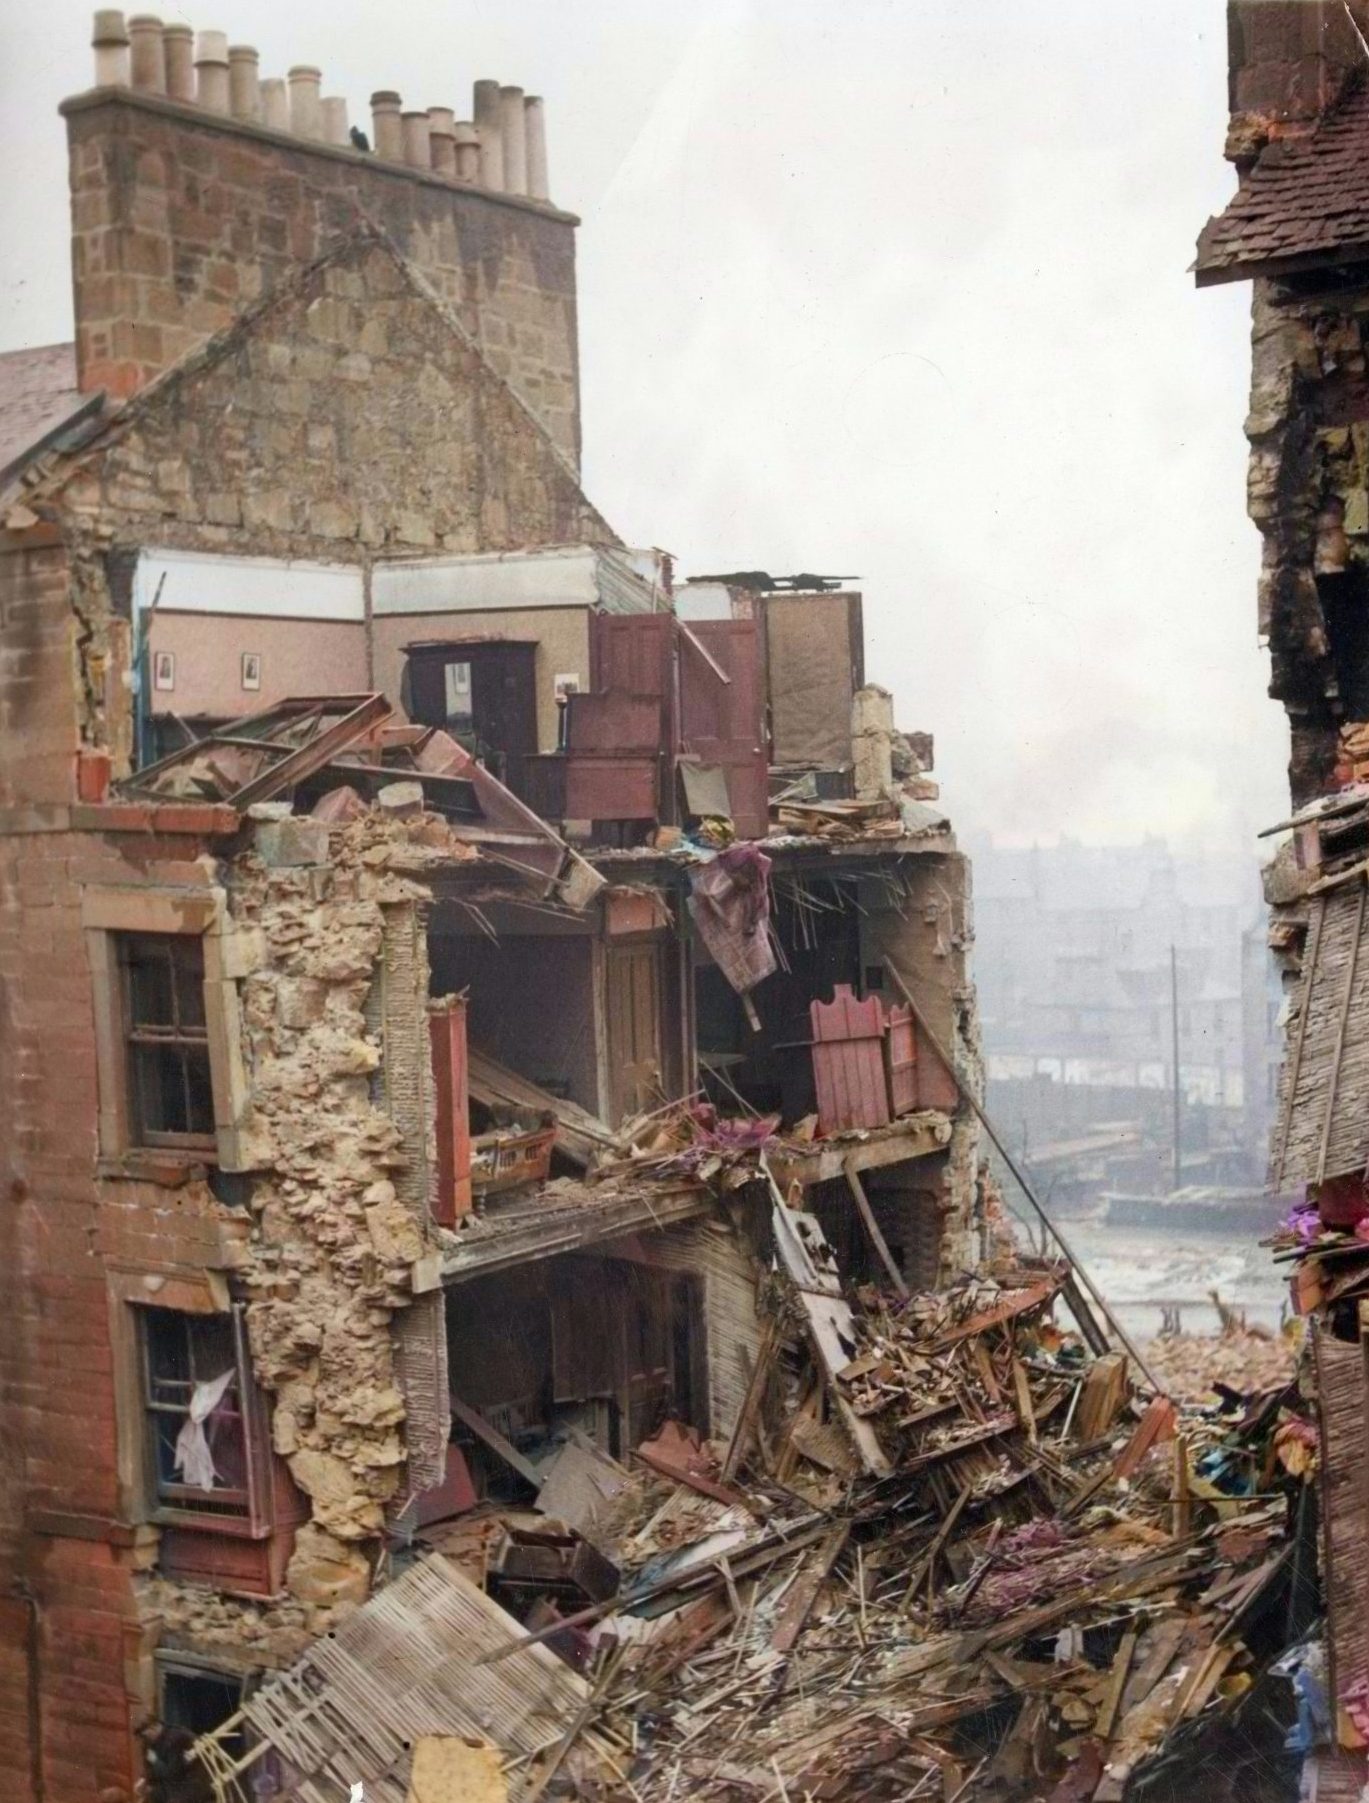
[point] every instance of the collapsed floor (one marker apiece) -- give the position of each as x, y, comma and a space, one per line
945, 1552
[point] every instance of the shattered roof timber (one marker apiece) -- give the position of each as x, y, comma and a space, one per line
280, 746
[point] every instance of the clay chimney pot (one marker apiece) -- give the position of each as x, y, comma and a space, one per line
335, 123
147, 54
178, 47
110, 43
491, 135
387, 133
306, 109
211, 71
244, 83
275, 103
513, 130
417, 141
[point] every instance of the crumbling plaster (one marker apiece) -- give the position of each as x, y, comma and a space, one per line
1308, 493
333, 1254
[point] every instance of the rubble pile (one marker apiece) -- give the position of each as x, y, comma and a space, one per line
1194, 1366
1051, 1582
1036, 1592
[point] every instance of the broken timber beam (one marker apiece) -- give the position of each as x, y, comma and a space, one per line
491, 1436
830, 1325
877, 1239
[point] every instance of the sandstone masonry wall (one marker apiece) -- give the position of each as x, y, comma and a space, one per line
179, 220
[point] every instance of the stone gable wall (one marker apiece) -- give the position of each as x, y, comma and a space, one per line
180, 220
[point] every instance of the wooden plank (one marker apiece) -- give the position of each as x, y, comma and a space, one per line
798, 1239
1112, 1698
486, 1431
751, 1402
1342, 1020
877, 1239
919, 1135
798, 1604
579, 1134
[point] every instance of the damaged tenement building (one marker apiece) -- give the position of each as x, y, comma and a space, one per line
1298, 231
451, 968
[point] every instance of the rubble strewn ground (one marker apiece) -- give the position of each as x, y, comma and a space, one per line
1060, 1587
1192, 1365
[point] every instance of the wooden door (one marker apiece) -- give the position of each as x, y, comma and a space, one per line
632, 982
723, 723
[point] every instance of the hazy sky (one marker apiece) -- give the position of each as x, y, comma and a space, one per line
893, 288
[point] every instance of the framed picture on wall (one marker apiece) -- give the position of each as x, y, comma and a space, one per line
251, 669
163, 669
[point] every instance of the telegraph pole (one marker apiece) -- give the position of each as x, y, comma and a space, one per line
1178, 1167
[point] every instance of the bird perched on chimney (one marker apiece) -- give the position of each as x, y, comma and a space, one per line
359, 139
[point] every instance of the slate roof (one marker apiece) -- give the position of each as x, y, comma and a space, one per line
38, 397
1305, 203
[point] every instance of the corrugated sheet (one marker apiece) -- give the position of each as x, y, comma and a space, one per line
1345, 1506
1323, 1128
403, 1666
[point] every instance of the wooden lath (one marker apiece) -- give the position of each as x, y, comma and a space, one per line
410, 1662
1323, 1125
291, 741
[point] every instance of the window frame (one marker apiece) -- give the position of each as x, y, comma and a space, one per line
136, 1037
107, 912
255, 1519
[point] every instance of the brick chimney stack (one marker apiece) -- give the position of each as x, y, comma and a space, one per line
194, 190
1288, 62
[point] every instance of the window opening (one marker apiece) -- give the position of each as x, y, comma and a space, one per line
193, 1408
167, 1039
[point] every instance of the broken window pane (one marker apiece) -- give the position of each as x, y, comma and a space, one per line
195, 1425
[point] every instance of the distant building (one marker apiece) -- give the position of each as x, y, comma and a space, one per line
1073, 960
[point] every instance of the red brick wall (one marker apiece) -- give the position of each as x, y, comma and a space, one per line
37, 674
179, 220
60, 1226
